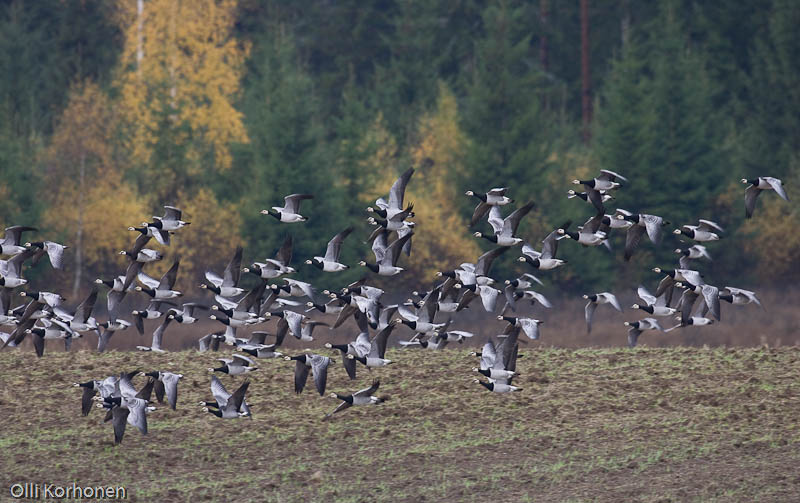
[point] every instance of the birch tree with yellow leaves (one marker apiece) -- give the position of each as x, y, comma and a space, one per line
441, 237
178, 76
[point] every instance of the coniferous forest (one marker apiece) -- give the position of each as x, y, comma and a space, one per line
111, 109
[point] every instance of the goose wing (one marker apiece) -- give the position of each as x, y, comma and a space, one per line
171, 213
632, 238
362, 344
709, 226
550, 243
119, 417
654, 225
612, 299
148, 281
646, 296
633, 336
168, 279
751, 194
479, 212
291, 203
84, 310
335, 245
484, 263
380, 244
394, 249
55, 253
777, 186
398, 190
686, 304
319, 367
14, 234
284, 254
496, 219
158, 333
86, 400
237, 399
300, 376
489, 297
589, 310
711, 297
596, 198
488, 355
611, 176
369, 391
233, 269
511, 222
219, 392
170, 381
377, 348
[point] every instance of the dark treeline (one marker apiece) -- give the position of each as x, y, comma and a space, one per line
109, 110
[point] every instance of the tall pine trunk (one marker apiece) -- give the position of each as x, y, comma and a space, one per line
76, 285
586, 91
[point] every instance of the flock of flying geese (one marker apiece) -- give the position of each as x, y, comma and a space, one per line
289, 300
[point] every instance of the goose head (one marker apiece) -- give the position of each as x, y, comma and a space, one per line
469, 193
576, 182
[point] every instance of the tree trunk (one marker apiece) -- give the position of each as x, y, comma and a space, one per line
544, 13
139, 33
76, 285
586, 93
625, 22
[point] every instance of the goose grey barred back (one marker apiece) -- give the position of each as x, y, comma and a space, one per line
495, 197
757, 185
739, 296
158, 336
154, 310
109, 329
497, 387
236, 365
376, 357
693, 252
504, 229
596, 299
656, 306
546, 259
53, 250
151, 231
635, 329
210, 342
529, 326
163, 289
360, 397
290, 211
694, 321
317, 364
386, 257
228, 406
167, 383
10, 244
277, 266
396, 196
11, 270
138, 252
606, 181
228, 284
171, 221
705, 230
330, 262
642, 222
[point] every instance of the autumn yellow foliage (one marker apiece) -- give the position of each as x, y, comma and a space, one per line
208, 241
441, 238
180, 56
